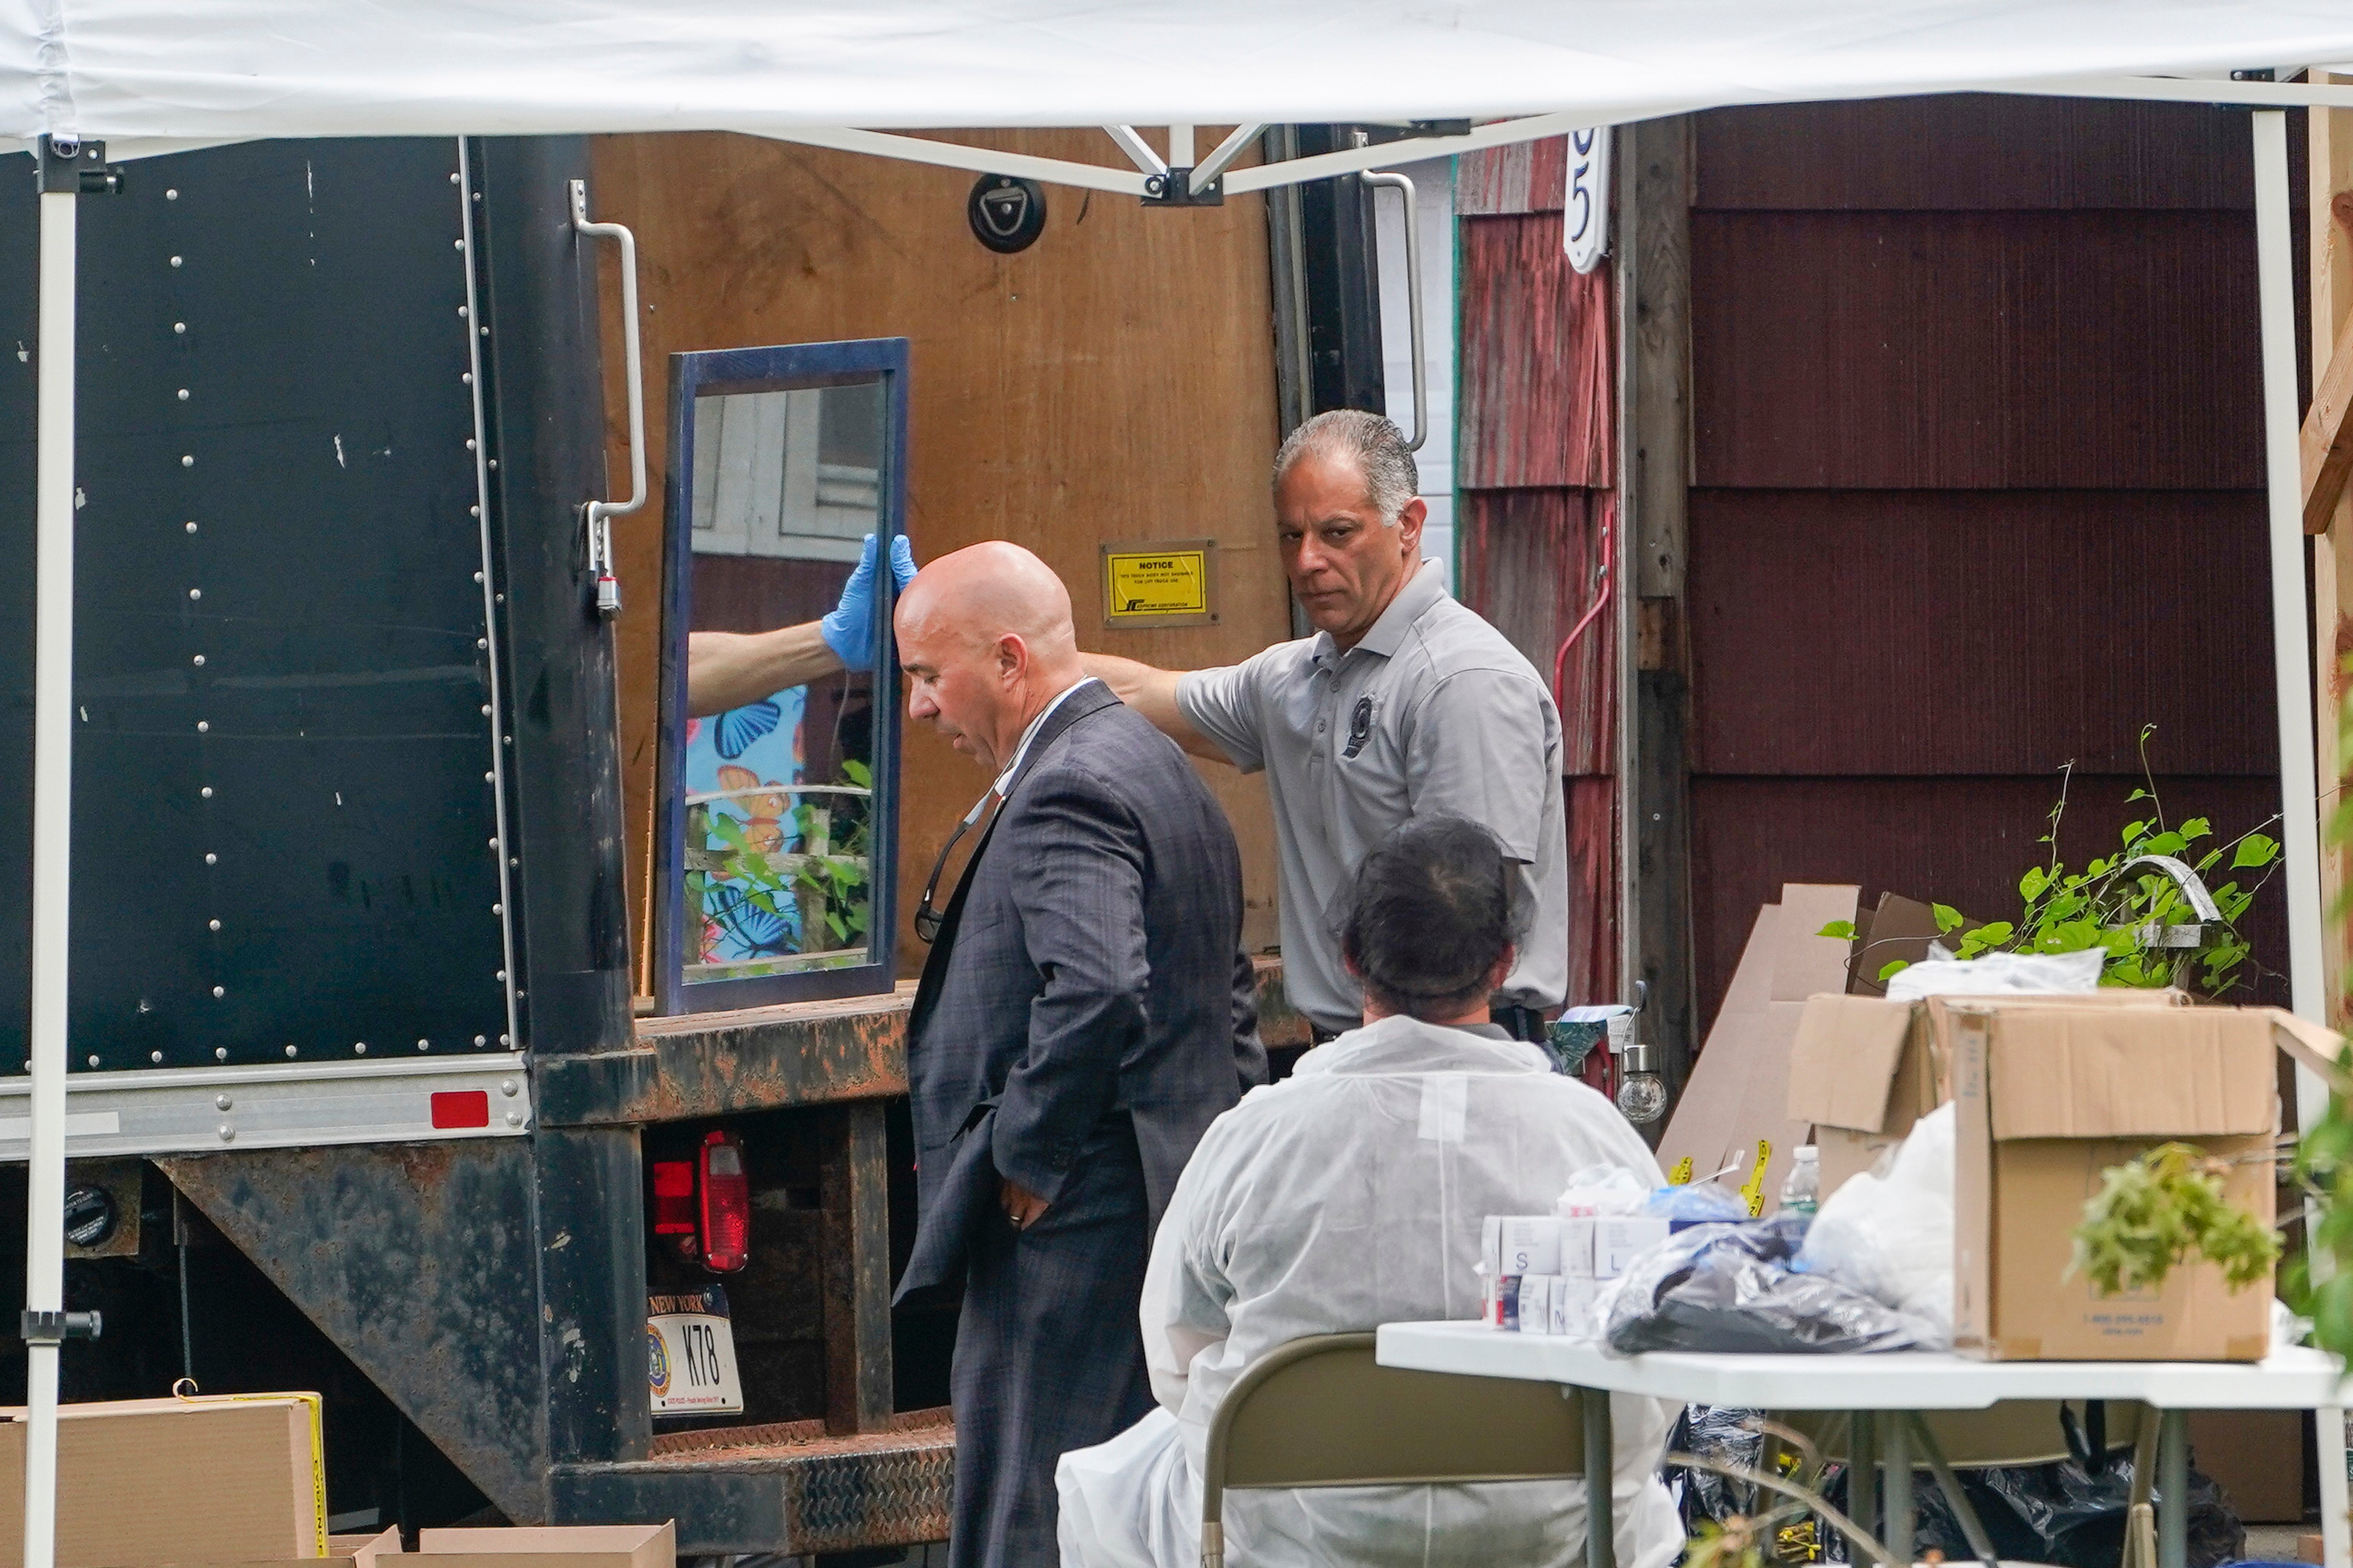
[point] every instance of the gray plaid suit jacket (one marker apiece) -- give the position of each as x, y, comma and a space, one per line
1089, 962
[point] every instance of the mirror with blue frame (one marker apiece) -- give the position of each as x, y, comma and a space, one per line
777, 852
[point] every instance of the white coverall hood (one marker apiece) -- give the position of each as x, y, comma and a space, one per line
1346, 1197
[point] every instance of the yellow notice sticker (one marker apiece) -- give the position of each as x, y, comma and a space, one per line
1140, 583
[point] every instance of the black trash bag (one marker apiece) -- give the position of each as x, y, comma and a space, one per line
1729, 1288
1727, 1435
2069, 1512
2059, 1513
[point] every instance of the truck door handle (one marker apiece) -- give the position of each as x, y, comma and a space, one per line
599, 514
1404, 188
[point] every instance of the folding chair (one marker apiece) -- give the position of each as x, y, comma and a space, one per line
1320, 1413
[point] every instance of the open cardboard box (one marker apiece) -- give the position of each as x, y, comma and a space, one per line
239, 1479
1862, 1070
562, 1546
1734, 1104
2050, 1093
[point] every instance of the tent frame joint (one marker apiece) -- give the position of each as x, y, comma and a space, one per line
66, 166
1177, 188
56, 1328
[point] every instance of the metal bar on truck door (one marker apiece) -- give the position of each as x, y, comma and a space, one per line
600, 513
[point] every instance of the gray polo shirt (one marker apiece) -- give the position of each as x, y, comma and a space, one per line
1432, 712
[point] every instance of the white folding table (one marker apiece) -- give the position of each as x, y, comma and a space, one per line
1901, 1383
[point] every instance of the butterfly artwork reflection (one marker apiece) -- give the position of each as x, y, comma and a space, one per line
776, 869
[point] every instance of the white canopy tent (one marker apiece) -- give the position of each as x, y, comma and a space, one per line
148, 77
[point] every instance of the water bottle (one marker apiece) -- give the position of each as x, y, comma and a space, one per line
1801, 1190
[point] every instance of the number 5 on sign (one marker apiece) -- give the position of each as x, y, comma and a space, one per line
1585, 215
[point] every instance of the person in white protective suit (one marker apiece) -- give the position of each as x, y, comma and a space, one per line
1350, 1195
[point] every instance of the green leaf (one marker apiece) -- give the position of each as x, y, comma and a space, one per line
857, 773
2256, 849
2196, 827
1891, 968
2031, 886
1842, 929
1992, 934
2133, 830
1948, 919
2165, 843
2138, 795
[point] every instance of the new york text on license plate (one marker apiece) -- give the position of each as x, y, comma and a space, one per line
691, 1352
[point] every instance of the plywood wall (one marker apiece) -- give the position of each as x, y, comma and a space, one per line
1114, 382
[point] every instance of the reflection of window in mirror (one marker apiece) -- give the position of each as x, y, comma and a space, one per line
776, 865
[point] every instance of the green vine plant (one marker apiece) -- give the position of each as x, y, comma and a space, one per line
2156, 1212
2122, 909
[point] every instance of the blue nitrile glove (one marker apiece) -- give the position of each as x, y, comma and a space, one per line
849, 629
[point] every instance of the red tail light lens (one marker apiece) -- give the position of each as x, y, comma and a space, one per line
726, 1204
674, 1197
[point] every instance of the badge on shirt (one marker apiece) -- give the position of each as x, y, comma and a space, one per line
1360, 727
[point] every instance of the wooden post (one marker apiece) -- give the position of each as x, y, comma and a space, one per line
855, 1182
1656, 274
2331, 144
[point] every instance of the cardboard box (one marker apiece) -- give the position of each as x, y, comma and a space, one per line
1896, 928
2256, 1457
239, 1479
342, 1552
1520, 1244
1863, 1069
1619, 1240
2050, 1092
1536, 1303
1735, 1103
553, 1546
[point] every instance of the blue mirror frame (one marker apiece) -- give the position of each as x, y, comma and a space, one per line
717, 372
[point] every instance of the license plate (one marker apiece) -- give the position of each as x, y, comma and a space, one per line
691, 1352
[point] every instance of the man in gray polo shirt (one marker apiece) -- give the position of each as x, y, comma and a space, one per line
1403, 703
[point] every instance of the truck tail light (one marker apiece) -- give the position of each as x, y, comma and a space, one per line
674, 1197
726, 1195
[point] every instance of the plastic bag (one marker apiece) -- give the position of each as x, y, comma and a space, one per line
1728, 1435
1602, 1190
1891, 1237
2066, 1514
2000, 975
1695, 1201
1729, 1288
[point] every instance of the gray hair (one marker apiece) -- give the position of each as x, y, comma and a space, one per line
1376, 446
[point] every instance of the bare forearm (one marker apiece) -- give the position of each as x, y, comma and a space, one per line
728, 670
1153, 693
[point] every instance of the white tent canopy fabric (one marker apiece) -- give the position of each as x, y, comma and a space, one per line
133, 71
153, 75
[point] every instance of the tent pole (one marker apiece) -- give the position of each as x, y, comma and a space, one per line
52, 837
2291, 635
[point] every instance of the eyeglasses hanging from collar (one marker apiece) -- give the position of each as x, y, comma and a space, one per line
928, 920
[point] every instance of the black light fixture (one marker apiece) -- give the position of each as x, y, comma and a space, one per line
1006, 213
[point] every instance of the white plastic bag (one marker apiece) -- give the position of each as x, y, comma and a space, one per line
1602, 1190
2000, 975
1891, 1237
